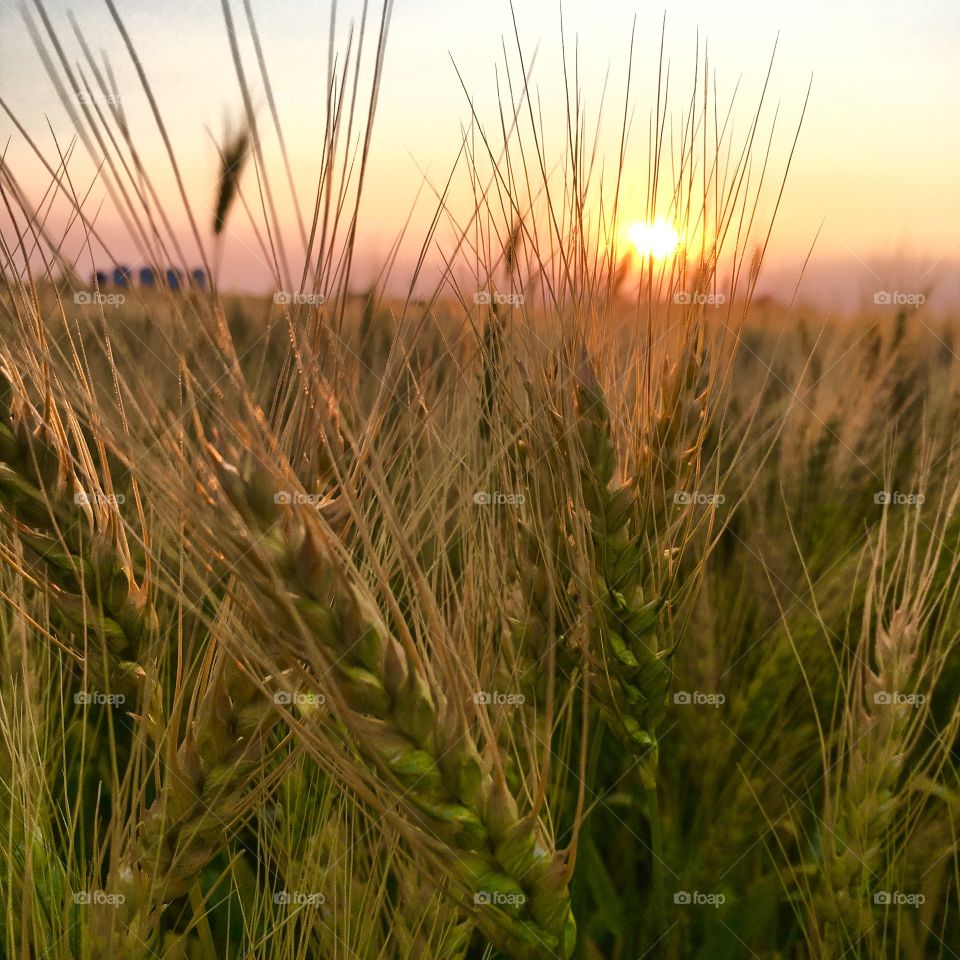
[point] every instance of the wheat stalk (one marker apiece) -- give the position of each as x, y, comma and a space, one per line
204, 792
632, 677
74, 566
861, 815
402, 723
233, 158
629, 674
892, 679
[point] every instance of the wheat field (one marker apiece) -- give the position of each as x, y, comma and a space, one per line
585, 607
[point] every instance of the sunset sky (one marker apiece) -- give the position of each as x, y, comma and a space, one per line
876, 165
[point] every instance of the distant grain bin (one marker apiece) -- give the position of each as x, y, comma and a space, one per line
149, 278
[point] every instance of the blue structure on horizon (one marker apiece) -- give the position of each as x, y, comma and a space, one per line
149, 278
174, 278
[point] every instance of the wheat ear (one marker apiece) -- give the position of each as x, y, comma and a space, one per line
401, 722
203, 794
51, 525
859, 818
631, 676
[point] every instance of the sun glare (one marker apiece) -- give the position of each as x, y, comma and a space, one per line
658, 239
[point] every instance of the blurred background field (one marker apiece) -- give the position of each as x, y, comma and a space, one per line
827, 468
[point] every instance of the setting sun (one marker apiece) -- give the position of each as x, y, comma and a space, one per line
658, 239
